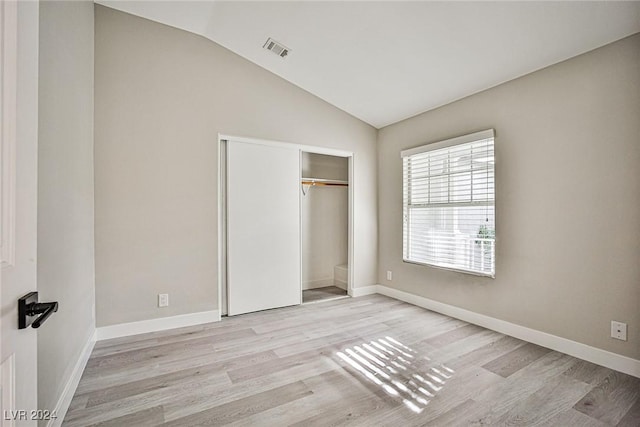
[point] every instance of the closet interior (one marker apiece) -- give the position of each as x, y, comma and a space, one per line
324, 210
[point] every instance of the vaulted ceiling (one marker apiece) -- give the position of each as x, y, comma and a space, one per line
385, 61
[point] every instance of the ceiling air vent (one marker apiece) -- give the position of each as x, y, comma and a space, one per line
276, 48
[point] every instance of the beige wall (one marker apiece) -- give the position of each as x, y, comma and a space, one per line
161, 97
324, 220
65, 191
568, 199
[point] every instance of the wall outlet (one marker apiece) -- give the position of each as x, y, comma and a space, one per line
163, 300
389, 275
618, 330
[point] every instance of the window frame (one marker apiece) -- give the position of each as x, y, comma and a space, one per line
464, 139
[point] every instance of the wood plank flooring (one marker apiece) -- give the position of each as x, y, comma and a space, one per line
366, 361
322, 294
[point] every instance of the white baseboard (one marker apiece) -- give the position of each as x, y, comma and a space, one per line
364, 290
72, 383
154, 325
582, 351
340, 284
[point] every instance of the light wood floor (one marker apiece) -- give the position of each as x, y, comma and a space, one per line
322, 294
367, 361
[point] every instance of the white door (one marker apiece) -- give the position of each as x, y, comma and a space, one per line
18, 207
263, 227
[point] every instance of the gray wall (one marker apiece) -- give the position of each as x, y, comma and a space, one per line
161, 97
568, 199
65, 191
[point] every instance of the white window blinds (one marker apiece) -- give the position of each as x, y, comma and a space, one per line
449, 204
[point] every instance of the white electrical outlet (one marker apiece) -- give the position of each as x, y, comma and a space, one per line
618, 330
389, 275
163, 300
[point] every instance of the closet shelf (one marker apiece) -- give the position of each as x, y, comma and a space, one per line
322, 181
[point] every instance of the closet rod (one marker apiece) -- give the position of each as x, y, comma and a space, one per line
324, 181
338, 184
313, 182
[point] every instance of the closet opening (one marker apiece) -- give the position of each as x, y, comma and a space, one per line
324, 223
285, 224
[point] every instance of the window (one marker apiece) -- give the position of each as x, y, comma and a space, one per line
449, 204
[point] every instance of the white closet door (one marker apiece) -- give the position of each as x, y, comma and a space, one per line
263, 227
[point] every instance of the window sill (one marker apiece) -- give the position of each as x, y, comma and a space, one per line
457, 270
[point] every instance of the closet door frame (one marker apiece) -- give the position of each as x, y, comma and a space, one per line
222, 207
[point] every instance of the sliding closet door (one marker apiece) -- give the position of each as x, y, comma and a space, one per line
263, 227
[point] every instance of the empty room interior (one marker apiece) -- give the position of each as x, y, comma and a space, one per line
320, 213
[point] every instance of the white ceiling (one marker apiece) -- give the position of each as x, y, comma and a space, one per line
385, 61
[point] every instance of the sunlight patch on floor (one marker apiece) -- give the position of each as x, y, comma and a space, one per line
400, 371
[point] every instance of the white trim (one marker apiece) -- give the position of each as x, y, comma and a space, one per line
300, 233
454, 269
320, 301
361, 291
154, 325
351, 231
582, 351
223, 306
477, 136
62, 406
292, 145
